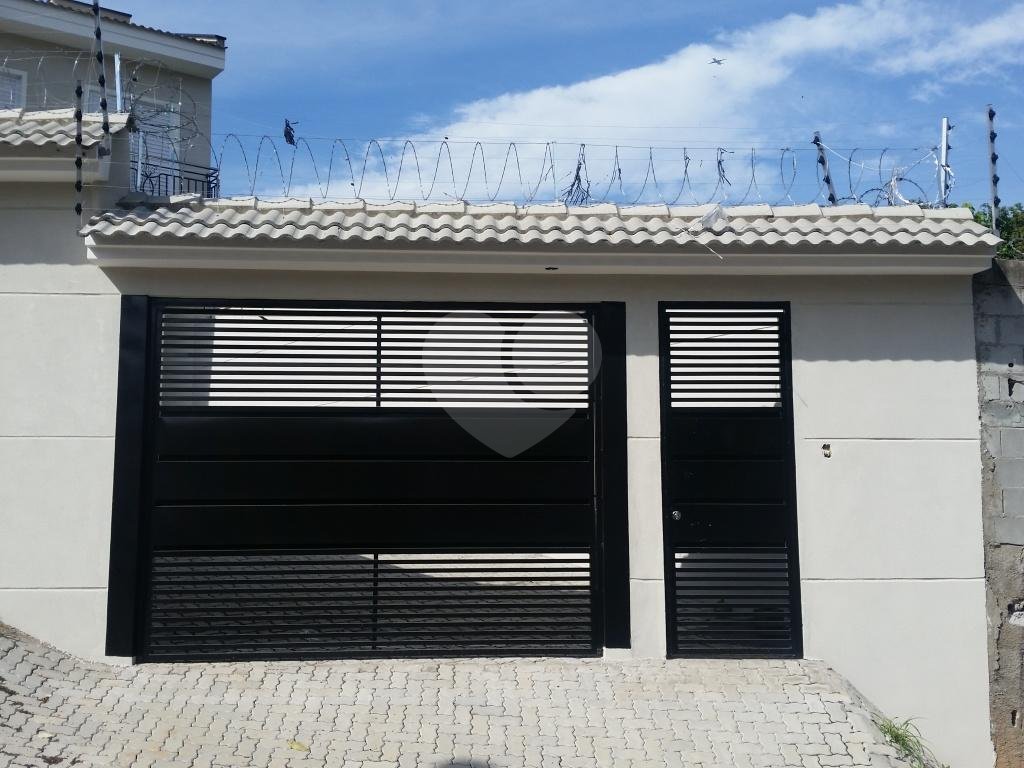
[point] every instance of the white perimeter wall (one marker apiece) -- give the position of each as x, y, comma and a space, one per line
890, 525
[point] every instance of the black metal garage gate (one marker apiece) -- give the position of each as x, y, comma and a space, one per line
732, 585
304, 480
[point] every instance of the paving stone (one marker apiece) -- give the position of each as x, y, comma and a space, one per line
504, 713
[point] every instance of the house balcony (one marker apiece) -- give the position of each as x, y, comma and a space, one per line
165, 177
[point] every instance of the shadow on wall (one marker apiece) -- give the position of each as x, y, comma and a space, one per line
834, 318
39, 225
883, 332
38, 220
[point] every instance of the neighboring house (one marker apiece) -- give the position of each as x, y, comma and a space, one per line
164, 79
238, 429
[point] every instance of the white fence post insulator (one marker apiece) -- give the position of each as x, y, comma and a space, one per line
823, 162
993, 158
118, 91
944, 169
141, 140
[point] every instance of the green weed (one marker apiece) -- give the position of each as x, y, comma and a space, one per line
906, 739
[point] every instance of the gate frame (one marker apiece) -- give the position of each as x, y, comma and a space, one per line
137, 409
786, 395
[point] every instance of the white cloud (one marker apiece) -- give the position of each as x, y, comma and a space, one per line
764, 62
786, 76
961, 51
928, 91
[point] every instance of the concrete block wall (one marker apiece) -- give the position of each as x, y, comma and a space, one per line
999, 329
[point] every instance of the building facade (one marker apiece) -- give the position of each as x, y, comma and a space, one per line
241, 429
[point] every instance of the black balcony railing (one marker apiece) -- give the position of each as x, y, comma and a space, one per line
163, 178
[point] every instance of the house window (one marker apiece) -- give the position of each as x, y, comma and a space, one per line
12, 88
158, 138
156, 147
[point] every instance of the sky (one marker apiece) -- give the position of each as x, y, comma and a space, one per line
632, 81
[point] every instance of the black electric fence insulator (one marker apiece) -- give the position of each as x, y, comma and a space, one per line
993, 156
104, 149
826, 175
78, 148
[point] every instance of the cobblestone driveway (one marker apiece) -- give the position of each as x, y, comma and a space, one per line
57, 710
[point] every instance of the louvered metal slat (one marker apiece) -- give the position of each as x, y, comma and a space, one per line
470, 358
276, 530
330, 603
397, 358
267, 357
732, 601
730, 530
725, 358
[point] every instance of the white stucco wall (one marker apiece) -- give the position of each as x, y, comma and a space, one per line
890, 525
58, 347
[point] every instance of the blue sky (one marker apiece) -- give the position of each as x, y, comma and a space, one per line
870, 75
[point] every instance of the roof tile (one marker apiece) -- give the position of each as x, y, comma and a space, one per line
55, 127
553, 224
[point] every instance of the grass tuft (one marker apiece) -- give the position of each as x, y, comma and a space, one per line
905, 737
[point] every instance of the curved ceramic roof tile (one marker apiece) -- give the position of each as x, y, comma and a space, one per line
606, 225
55, 127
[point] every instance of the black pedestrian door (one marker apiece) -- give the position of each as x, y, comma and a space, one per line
732, 585
324, 481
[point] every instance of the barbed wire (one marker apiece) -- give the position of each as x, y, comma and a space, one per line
55, 89
426, 170
169, 128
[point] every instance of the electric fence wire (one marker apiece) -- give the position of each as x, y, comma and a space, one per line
426, 170
166, 126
